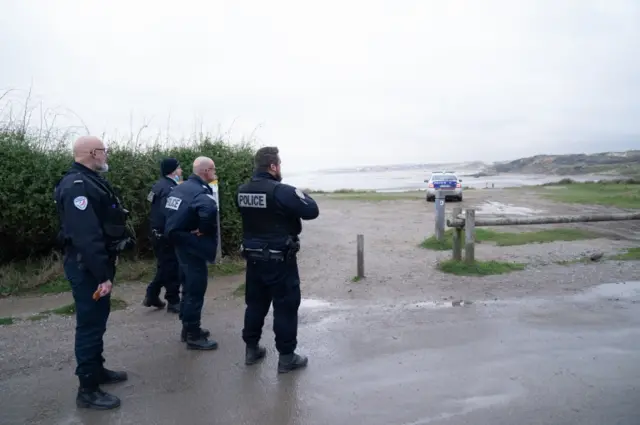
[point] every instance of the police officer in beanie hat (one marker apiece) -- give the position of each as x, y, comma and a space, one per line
167, 269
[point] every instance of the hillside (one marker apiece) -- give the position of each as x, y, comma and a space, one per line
617, 163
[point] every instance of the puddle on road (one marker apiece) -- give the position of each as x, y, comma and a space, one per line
612, 291
314, 304
438, 304
499, 208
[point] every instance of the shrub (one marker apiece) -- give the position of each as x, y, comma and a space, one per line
30, 169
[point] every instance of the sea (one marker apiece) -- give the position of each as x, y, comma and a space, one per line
411, 177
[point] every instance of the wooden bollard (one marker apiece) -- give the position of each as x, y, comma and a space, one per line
457, 236
360, 256
469, 236
440, 219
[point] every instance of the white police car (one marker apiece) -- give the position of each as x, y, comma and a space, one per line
447, 182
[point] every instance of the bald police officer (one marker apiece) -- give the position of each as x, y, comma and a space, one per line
93, 232
191, 226
271, 220
167, 268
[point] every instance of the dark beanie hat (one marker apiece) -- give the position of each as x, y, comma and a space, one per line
168, 166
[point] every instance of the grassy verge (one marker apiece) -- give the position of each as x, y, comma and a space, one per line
366, 195
240, 290
228, 267
65, 310
5, 321
622, 194
70, 309
46, 276
479, 268
510, 238
632, 254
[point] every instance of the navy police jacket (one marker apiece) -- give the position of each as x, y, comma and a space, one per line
189, 207
272, 212
158, 198
92, 220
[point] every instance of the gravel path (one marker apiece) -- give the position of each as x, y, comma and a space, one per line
395, 267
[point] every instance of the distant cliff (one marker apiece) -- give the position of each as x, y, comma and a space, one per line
619, 163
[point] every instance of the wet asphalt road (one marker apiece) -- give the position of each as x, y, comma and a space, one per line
556, 361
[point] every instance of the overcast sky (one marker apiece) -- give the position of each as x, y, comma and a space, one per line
337, 83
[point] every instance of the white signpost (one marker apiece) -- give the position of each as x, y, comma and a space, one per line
214, 187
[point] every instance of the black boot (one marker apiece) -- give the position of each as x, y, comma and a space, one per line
203, 332
153, 302
197, 341
173, 308
289, 362
112, 377
253, 354
90, 396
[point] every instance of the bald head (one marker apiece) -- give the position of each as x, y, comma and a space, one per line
90, 152
205, 168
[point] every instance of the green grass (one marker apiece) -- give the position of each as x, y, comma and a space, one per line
622, 195
445, 244
46, 276
356, 279
240, 290
5, 321
479, 268
228, 267
632, 254
54, 286
37, 317
70, 309
540, 236
510, 238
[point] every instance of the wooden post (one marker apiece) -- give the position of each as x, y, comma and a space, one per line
469, 235
360, 255
457, 236
440, 219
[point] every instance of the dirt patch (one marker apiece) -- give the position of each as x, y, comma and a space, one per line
396, 267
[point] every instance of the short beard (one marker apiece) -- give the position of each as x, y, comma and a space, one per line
103, 168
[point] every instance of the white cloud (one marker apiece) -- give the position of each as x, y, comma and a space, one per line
338, 83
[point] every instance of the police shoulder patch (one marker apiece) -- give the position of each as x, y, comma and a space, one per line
173, 203
300, 193
150, 196
81, 202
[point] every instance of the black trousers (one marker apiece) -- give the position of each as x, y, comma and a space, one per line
276, 282
91, 321
168, 273
196, 280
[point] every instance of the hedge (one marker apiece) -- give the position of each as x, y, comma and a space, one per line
29, 170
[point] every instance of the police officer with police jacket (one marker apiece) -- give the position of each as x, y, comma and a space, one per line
271, 220
191, 226
167, 267
93, 232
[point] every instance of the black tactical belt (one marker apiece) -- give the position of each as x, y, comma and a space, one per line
263, 255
